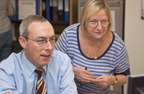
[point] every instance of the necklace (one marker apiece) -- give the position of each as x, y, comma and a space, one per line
95, 57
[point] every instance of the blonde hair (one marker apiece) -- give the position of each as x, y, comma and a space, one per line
93, 6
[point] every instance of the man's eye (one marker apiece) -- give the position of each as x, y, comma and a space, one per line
40, 41
52, 39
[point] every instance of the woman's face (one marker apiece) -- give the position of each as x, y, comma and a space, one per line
97, 24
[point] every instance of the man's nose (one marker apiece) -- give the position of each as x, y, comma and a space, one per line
48, 45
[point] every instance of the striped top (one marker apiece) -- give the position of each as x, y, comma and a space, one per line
113, 61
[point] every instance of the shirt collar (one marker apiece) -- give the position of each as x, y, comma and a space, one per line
29, 67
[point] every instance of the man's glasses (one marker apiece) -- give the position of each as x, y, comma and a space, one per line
43, 41
95, 23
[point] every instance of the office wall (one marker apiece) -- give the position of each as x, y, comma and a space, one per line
134, 36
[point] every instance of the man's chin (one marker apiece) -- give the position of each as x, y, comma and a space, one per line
43, 62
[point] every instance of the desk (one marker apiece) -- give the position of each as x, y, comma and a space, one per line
139, 90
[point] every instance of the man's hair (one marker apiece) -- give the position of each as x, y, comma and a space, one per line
27, 21
93, 6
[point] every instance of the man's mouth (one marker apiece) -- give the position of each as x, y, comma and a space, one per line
45, 55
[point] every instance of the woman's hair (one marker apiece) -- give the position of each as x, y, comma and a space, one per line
91, 7
27, 21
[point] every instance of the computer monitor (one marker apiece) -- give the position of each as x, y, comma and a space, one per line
135, 84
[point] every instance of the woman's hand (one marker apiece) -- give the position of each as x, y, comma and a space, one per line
103, 81
82, 75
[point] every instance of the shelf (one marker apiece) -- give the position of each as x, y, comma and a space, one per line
59, 26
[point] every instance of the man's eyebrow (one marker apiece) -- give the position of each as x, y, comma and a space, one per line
53, 36
41, 37
46, 37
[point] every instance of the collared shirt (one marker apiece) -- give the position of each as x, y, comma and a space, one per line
17, 75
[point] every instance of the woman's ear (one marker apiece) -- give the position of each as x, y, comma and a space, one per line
22, 41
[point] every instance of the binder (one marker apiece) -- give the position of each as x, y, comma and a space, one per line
66, 10
51, 8
46, 8
54, 10
60, 10
39, 7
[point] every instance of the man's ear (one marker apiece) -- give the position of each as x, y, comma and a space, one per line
22, 41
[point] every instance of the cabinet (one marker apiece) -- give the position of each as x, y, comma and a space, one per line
59, 26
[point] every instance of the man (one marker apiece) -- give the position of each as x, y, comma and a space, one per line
17, 72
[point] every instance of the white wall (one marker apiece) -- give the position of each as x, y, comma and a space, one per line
134, 36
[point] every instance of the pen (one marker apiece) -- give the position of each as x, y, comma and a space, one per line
82, 82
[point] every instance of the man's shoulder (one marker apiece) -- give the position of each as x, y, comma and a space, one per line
60, 61
11, 61
59, 53
60, 56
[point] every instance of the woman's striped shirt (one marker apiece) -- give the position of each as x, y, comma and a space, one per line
113, 61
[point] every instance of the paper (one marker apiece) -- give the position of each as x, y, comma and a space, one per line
26, 8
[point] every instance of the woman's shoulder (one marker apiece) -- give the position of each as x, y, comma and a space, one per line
71, 31
72, 27
118, 43
117, 38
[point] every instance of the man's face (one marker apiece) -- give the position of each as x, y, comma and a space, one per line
40, 43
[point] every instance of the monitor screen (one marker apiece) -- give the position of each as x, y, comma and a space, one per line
136, 84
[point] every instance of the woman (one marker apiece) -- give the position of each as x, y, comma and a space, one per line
98, 55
